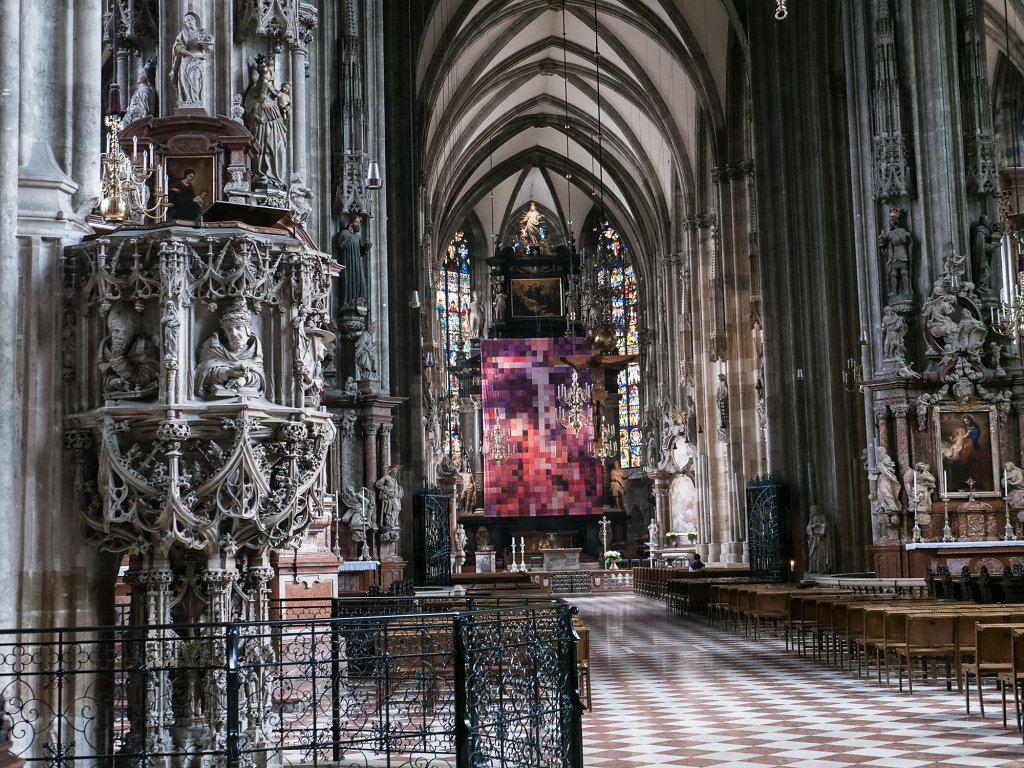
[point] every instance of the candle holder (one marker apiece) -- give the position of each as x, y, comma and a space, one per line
917, 526
947, 534
365, 552
123, 179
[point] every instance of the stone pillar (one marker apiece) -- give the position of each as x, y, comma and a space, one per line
899, 412
881, 424
88, 97
370, 468
662, 514
298, 69
9, 109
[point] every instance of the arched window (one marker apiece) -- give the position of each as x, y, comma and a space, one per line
453, 297
620, 276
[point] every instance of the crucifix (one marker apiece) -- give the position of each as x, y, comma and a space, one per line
604, 534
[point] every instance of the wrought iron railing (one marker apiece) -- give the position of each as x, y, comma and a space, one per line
398, 682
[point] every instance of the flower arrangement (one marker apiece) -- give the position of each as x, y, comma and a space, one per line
692, 536
612, 555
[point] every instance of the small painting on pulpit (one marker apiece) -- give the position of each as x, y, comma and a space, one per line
968, 451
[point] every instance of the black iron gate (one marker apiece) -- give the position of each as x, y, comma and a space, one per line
432, 538
765, 536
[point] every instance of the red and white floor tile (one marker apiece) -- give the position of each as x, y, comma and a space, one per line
671, 691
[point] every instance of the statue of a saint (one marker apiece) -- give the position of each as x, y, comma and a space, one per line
349, 253
231, 362
894, 331
652, 532
819, 558
459, 546
300, 200
1014, 481
143, 101
189, 49
467, 488
887, 486
314, 350
390, 493
265, 122
127, 363
919, 477
532, 221
476, 317
895, 246
619, 481
500, 308
722, 399
985, 240
366, 355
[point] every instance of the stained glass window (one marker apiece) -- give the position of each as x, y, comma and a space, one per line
453, 297
622, 279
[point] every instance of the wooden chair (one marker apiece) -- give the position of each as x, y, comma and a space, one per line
927, 636
583, 662
993, 653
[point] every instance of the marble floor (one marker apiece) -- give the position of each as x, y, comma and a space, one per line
671, 691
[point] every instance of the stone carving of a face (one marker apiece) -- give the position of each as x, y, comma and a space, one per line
121, 324
236, 334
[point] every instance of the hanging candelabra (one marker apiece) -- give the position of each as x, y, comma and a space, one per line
498, 446
576, 402
123, 179
607, 447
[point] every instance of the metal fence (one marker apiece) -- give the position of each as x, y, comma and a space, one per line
401, 682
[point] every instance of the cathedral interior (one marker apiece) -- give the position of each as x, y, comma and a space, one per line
303, 301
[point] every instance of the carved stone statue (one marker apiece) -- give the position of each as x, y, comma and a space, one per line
231, 362
887, 486
467, 488
483, 539
314, 350
128, 364
532, 221
349, 253
722, 399
925, 484
691, 420
652, 531
459, 545
143, 101
500, 308
354, 503
476, 317
995, 357
894, 331
264, 120
819, 556
619, 482
351, 388
895, 246
985, 241
366, 355
1014, 488
431, 415
189, 51
390, 494
300, 200
238, 190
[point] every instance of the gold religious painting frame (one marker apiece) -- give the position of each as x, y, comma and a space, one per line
966, 448
537, 297
205, 167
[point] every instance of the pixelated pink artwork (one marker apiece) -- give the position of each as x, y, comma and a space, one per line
550, 473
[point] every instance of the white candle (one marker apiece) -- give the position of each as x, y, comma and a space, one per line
151, 155
135, 147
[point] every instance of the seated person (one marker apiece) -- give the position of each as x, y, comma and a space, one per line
697, 564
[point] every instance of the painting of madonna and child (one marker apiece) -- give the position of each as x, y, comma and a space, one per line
968, 451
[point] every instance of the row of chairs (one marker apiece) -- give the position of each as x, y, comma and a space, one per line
837, 627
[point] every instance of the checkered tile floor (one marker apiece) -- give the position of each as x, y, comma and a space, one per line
670, 691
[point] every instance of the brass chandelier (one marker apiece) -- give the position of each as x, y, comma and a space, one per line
574, 412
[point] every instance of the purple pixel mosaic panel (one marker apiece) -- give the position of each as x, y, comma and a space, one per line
550, 473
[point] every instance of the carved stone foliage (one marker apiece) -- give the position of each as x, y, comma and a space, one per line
184, 436
128, 21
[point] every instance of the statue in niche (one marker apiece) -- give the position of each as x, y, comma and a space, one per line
300, 200
189, 50
143, 101
894, 332
237, 110
819, 556
467, 488
237, 190
128, 365
531, 223
459, 547
691, 420
722, 399
887, 486
476, 316
314, 350
895, 246
431, 416
500, 308
351, 387
995, 357
366, 354
921, 478
1014, 478
265, 122
349, 253
985, 241
390, 493
231, 362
